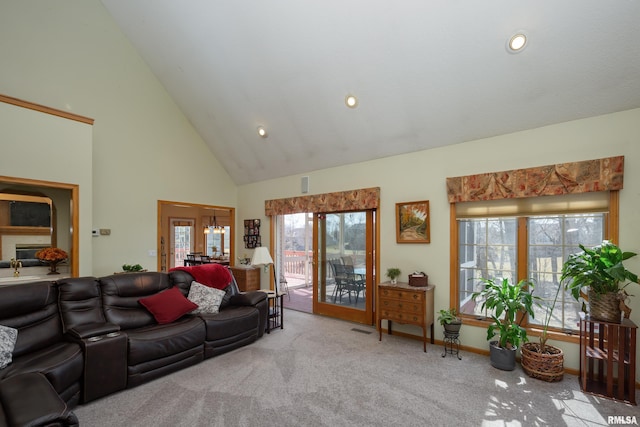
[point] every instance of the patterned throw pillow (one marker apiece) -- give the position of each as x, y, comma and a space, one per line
8, 337
208, 299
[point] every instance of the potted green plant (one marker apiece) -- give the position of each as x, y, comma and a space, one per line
450, 321
510, 300
131, 268
541, 360
393, 274
599, 270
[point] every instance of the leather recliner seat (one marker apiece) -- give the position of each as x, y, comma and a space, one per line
153, 350
32, 308
241, 320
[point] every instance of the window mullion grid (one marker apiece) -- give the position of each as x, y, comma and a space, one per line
610, 224
522, 245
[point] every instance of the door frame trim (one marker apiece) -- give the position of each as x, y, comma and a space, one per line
232, 226
371, 278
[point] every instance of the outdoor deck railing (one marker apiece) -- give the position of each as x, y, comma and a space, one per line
294, 263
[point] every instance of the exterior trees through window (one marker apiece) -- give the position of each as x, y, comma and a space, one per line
491, 248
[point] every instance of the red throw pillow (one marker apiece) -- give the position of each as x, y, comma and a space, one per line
168, 305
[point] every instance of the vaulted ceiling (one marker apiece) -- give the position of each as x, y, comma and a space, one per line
426, 73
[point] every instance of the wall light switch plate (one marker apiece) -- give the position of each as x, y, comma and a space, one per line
153, 252
95, 233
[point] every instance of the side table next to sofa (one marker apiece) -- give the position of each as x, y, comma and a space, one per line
276, 310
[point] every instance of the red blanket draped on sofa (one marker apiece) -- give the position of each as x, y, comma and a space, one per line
212, 275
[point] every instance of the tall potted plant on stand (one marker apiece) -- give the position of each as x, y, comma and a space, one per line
600, 270
510, 300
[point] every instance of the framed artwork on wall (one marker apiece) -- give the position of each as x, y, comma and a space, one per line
252, 233
412, 222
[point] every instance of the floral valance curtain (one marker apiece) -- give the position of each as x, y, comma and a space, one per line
366, 198
563, 178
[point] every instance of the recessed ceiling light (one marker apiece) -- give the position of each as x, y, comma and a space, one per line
262, 132
351, 101
517, 42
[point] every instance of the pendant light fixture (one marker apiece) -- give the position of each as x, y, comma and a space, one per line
217, 229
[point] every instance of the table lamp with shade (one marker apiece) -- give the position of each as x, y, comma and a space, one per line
261, 256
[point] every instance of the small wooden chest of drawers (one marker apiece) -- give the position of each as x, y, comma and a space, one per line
406, 304
248, 279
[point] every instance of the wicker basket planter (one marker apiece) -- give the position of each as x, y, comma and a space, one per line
547, 367
605, 306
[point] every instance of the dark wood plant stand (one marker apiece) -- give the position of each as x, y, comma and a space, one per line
608, 358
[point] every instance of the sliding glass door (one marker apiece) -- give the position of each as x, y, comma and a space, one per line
343, 265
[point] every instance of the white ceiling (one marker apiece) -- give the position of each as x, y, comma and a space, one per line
427, 73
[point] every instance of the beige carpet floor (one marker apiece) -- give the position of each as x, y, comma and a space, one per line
324, 372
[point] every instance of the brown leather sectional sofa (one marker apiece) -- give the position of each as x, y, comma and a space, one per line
83, 338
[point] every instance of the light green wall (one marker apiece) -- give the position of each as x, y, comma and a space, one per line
70, 55
34, 145
421, 176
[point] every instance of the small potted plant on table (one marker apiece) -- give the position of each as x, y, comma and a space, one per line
450, 321
393, 274
510, 300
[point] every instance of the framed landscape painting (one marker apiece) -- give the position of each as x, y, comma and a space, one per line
412, 222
